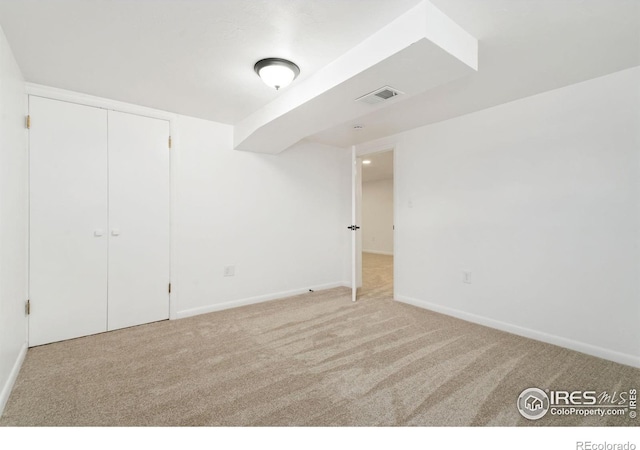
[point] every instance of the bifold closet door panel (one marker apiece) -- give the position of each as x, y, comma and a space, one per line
68, 220
139, 202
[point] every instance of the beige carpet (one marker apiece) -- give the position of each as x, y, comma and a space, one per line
315, 359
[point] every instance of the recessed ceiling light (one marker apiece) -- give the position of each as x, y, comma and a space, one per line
366, 161
276, 72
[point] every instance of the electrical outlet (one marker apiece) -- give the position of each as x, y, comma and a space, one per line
466, 277
229, 271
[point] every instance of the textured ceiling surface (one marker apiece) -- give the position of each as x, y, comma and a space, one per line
195, 57
192, 57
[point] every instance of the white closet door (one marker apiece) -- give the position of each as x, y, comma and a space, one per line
68, 220
139, 200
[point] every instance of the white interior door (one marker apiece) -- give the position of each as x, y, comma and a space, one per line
356, 236
139, 202
359, 222
68, 220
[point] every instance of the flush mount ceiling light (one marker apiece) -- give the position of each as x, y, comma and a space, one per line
276, 72
366, 161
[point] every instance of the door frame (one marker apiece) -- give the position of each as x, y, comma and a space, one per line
367, 149
37, 90
356, 218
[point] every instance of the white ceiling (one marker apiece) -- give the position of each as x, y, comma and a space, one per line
195, 57
525, 47
192, 57
416, 52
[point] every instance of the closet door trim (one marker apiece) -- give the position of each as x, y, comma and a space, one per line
33, 89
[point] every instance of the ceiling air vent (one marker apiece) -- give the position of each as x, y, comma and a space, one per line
379, 95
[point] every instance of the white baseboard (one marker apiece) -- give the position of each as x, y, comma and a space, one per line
600, 352
376, 252
13, 375
254, 300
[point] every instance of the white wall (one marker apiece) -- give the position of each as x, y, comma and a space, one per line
281, 220
540, 200
13, 220
377, 216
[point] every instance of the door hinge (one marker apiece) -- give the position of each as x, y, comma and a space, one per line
27, 307
28, 122
353, 227
169, 288
169, 141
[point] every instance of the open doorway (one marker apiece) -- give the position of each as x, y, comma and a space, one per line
377, 218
